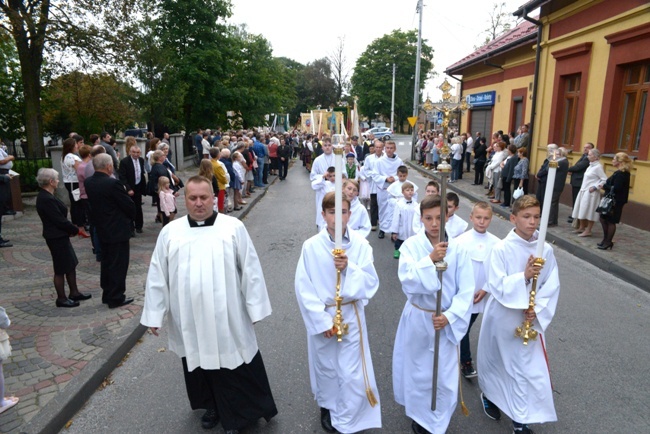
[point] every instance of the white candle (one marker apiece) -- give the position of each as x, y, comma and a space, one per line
338, 198
546, 209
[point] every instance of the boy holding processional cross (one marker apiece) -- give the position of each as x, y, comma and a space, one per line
515, 377
413, 353
341, 373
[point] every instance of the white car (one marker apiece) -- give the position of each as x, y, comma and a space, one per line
383, 133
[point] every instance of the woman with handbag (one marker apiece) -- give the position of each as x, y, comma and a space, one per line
69, 163
588, 197
617, 185
521, 174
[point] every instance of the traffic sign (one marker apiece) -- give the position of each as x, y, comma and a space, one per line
412, 120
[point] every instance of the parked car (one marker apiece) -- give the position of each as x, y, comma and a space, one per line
383, 133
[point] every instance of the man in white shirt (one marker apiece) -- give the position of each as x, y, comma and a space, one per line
456, 158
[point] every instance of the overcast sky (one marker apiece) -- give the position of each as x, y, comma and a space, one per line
306, 30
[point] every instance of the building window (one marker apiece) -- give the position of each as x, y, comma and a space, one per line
633, 106
571, 97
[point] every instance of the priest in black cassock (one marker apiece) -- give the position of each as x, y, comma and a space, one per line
206, 276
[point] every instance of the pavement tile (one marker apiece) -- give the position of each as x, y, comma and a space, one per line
53, 346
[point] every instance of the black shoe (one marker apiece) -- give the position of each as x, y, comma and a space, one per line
418, 429
326, 420
80, 297
521, 428
157, 220
132, 234
490, 410
123, 303
6, 243
138, 230
468, 371
569, 220
381, 234
4, 240
10, 212
210, 418
66, 303
606, 246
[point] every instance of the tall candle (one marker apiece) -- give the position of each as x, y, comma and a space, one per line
546, 207
338, 197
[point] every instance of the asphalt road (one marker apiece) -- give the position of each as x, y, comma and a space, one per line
597, 345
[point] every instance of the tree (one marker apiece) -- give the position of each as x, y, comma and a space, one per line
315, 85
373, 74
340, 72
11, 96
87, 103
500, 22
40, 26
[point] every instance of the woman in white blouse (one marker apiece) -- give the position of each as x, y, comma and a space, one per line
589, 196
493, 170
69, 162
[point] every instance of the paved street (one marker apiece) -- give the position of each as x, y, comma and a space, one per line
597, 348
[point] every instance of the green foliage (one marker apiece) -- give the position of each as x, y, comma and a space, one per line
87, 103
11, 90
28, 169
373, 75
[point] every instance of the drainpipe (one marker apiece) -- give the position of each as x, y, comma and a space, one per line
538, 53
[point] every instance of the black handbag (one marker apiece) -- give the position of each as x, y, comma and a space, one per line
606, 205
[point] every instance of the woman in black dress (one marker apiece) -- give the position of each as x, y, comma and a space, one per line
57, 230
619, 185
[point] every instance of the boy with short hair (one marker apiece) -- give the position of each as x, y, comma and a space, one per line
322, 184
359, 218
455, 224
513, 377
479, 243
341, 373
432, 188
413, 351
402, 223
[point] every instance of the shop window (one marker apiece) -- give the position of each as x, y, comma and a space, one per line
634, 98
571, 97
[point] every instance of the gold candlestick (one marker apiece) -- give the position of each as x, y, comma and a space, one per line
341, 328
526, 331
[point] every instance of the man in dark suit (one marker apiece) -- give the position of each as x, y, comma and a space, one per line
577, 172
132, 175
112, 212
558, 186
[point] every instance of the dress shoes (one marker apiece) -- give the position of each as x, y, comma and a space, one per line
326, 420
139, 231
10, 212
80, 297
4, 240
123, 303
418, 429
66, 303
210, 419
5, 243
381, 234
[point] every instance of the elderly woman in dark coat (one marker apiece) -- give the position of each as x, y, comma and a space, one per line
619, 185
57, 230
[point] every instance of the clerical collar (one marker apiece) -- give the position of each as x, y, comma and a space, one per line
208, 222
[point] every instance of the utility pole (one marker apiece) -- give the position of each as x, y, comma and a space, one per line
392, 104
416, 85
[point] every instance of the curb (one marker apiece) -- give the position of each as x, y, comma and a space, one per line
56, 413
621, 271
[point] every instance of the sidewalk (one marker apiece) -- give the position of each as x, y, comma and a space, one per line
628, 260
61, 356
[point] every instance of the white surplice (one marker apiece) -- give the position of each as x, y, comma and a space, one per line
209, 282
321, 186
368, 170
395, 189
335, 368
385, 167
514, 376
359, 218
455, 226
414, 343
402, 221
479, 247
320, 165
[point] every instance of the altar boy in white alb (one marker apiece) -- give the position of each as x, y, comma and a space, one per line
341, 373
383, 175
322, 184
413, 351
515, 377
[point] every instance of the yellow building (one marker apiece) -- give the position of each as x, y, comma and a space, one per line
593, 77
